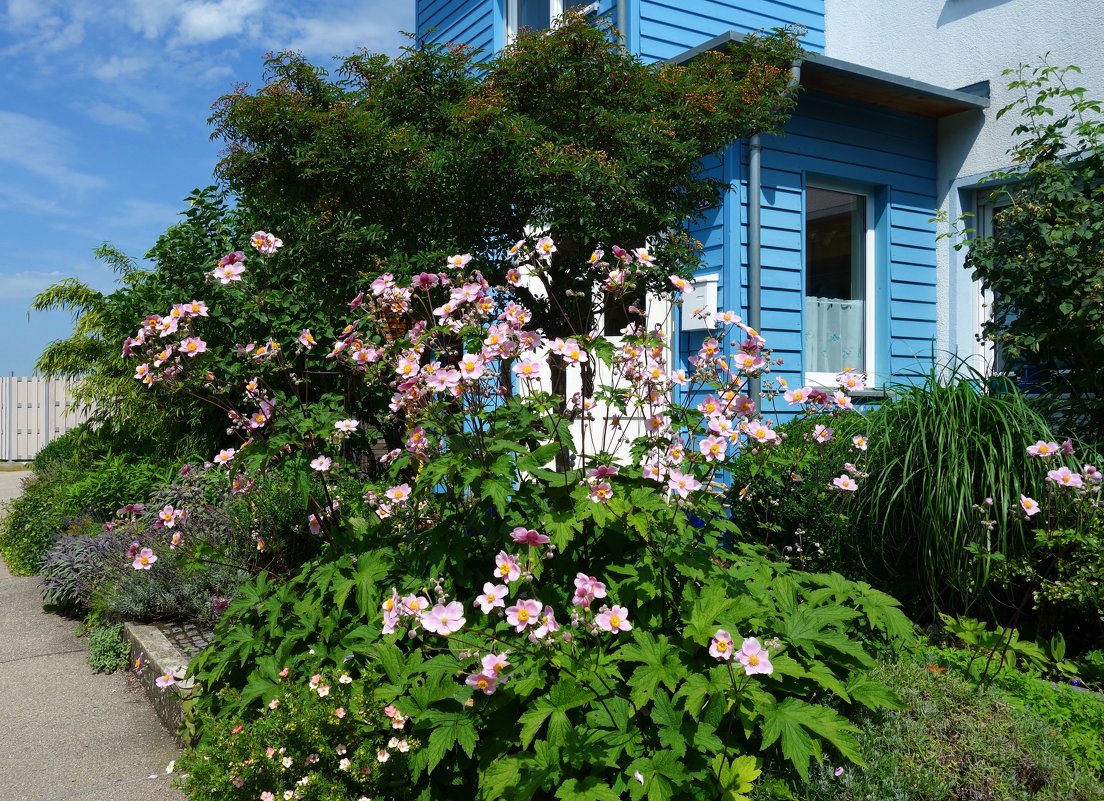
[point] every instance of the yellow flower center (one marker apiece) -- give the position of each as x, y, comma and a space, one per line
753, 660
523, 616
722, 646
615, 621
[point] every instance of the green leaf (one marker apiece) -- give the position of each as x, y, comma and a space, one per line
795, 722
500, 776
589, 789
736, 776
449, 729
662, 773
498, 492
539, 457
698, 688
661, 665
566, 695
823, 676
612, 713
669, 720
872, 694
706, 612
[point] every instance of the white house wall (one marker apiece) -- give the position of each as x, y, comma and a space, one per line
956, 43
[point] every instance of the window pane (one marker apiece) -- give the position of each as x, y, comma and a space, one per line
534, 14
835, 281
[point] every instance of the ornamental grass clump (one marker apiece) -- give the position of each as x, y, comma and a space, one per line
938, 448
541, 585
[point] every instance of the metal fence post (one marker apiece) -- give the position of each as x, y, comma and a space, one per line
11, 417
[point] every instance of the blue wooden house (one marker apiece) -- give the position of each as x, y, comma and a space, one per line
824, 239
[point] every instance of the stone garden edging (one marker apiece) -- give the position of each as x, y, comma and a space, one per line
159, 655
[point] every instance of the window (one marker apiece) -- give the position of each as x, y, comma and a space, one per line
537, 14
839, 283
988, 212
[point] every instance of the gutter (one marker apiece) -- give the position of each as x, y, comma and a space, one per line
754, 240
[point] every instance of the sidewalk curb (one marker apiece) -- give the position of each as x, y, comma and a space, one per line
160, 656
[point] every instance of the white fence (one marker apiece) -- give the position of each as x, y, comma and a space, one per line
33, 411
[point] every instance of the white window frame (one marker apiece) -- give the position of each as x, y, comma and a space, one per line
986, 210
555, 9
870, 300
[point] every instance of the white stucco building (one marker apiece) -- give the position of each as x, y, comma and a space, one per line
963, 43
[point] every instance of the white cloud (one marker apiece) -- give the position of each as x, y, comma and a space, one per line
27, 283
209, 21
43, 27
374, 26
43, 149
21, 13
21, 200
136, 213
122, 67
114, 116
152, 18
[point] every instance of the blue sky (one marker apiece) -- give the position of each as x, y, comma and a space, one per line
103, 124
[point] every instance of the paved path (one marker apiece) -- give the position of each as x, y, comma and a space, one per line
67, 734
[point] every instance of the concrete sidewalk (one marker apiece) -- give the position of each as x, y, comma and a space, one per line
67, 734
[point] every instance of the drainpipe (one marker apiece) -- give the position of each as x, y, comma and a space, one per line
754, 311
623, 20
755, 256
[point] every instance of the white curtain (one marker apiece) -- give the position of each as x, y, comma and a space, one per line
833, 334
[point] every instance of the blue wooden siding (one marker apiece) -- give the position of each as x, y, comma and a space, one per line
714, 231
477, 23
663, 29
887, 154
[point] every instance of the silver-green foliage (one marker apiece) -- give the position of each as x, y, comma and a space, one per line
952, 741
108, 651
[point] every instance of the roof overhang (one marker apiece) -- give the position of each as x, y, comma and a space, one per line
833, 76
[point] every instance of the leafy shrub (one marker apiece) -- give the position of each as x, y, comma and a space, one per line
325, 739
75, 567
175, 593
322, 620
1091, 668
62, 449
36, 519
1075, 717
114, 480
108, 651
783, 497
982, 654
312, 622
1043, 268
950, 740
1064, 571
206, 537
608, 702
71, 496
